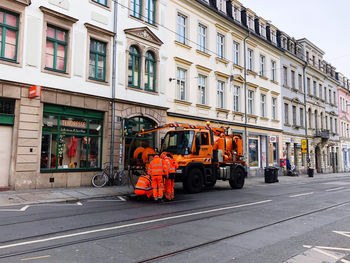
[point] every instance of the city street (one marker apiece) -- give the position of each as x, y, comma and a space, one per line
294, 222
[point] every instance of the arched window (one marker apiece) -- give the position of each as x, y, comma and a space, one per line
150, 72
134, 67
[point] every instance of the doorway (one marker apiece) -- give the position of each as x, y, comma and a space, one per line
5, 154
318, 159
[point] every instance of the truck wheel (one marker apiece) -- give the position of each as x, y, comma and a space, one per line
194, 181
237, 180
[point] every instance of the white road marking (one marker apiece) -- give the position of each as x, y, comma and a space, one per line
316, 254
310, 193
343, 233
306, 246
326, 253
334, 189
79, 203
345, 261
122, 198
24, 208
25, 259
334, 248
132, 224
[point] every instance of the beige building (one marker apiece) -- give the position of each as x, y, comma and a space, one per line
206, 78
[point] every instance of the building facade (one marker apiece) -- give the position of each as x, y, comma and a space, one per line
206, 75
60, 137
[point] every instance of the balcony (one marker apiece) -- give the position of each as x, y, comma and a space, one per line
323, 134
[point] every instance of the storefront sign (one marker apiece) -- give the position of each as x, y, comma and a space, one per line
304, 146
34, 91
273, 139
76, 124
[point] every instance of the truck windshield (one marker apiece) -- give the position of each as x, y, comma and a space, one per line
176, 142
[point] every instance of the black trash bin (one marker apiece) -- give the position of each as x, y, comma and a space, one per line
310, 172
270, 176
275, 174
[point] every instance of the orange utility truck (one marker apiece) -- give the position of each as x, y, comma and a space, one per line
204, 154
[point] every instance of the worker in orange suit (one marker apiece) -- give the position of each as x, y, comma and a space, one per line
169, 181
157, 169
143, 186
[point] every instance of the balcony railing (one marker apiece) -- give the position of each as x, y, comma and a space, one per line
323, 134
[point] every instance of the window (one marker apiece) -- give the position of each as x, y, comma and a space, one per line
331, 124
250, 59
300, 82
236, 53
150, 11
135, 6
263, 105
292, 77
102, 2
315, 88
202, 38
325, 93
236, 13
262, 30
310, 119
334, 98
262, 66
56, 48
286, 113
330, 96
253, 152
273, 70
181, 83
236, 95
250, 102
285, 80
181, 28
71, 138
335, 125
301, 117
97, 60
274, 105
220, 45
221, 5
8, 35
308, 83
202, 83
250, 22
294, 112
150, 72
134, 67
221, 94
273, 36
326, 122
320, 91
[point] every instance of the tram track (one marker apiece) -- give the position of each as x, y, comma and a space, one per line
159, 226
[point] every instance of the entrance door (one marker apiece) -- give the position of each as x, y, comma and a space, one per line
5, 154
318, 159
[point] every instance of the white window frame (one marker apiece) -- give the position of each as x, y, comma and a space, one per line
251, 95
181, 83
202, 38
236, 96
250, 59
181, 36
220, 94
286, 113
274, 108
262, 65
220, 45
235, 52
292, 78
300, 82
263, 105
301, 116
285, 76
202, 89
273, 70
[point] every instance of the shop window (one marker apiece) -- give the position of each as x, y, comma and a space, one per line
253, 152
56, 48
97, 61
8, 35
71, 139
7, 111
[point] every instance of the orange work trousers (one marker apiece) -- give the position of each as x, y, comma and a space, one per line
158, 186
169, 189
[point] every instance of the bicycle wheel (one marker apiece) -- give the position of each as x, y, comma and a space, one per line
99, 180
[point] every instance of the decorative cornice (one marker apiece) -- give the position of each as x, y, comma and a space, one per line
224, 61
222, 28
221, 74
275, 93
202, 68
183, 61
99, 29
264, 89
203, 53
182, 45
237, 36
252, 85
56, 14
144, 33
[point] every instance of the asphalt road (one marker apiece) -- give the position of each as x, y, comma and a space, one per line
294, 223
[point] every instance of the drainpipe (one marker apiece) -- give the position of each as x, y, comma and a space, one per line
306, 119
114, 65
245, 100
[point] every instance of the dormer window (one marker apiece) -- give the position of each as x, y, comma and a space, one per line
284, 43
236, 13
262, 29
273, 36
222, 5
250, 22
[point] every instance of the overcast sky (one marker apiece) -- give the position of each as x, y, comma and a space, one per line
324, 23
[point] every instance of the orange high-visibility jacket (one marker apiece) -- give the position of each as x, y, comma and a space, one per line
172, 164
143, 186
158, 167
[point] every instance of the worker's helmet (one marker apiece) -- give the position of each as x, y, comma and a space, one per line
163, 155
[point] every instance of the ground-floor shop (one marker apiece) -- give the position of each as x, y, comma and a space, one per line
324, 155
292, 152
345, 155
263, 146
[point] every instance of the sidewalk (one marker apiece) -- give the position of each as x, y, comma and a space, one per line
26, 197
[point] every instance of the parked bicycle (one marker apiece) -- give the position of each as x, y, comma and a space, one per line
104, 177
